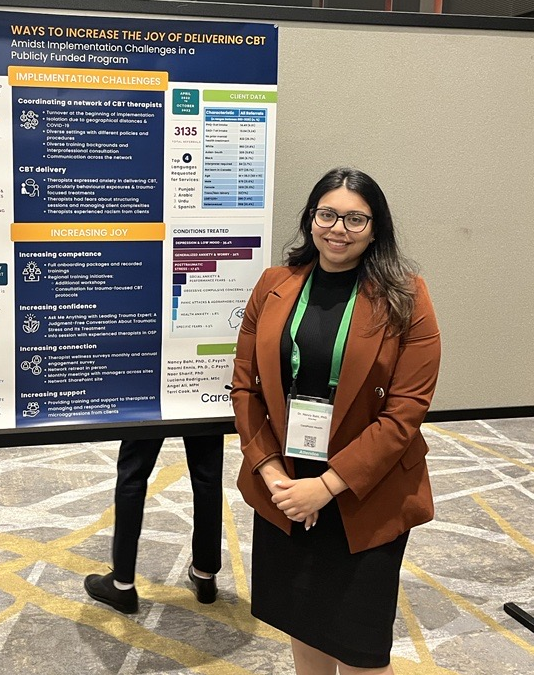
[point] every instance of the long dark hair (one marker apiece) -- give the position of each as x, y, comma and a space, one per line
385, 275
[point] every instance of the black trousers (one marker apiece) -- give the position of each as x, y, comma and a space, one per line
135, 464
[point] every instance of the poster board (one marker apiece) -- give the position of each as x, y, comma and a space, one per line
138, 182
438, 110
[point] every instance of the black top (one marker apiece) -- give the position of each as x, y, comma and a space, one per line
315, 337
317, 332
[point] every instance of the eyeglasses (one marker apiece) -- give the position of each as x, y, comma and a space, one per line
353, 222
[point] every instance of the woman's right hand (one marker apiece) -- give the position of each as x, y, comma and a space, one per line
310, 521
273, 473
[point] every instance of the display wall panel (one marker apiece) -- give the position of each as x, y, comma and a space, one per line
443, 121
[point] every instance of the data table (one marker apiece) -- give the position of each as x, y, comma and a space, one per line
234, 158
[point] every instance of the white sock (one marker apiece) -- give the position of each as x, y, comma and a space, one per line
121, 586
201, 576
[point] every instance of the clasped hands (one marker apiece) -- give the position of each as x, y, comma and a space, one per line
300, 499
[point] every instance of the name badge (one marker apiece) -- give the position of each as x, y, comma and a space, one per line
308, 428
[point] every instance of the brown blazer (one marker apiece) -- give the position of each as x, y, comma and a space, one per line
384, 391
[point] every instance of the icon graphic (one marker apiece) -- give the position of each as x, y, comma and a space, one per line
29, 119
29, 188
33, 365
187, 157
32, 409
236, 317
31, 324
32, 272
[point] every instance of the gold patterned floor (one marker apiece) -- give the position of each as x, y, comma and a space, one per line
56, 525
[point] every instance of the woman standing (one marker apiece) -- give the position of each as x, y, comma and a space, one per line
336, 364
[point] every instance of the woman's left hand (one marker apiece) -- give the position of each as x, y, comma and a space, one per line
300, 498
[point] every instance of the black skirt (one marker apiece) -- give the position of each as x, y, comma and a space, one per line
311, 587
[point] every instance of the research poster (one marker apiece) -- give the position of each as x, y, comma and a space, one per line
136, 208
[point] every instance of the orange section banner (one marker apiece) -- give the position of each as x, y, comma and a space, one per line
88, 78
61, 232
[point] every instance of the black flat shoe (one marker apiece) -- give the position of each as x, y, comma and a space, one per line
205, 590
101, 588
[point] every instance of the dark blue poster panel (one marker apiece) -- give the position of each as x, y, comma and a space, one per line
136, 207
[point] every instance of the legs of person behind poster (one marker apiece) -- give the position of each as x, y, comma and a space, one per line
205, 461
135, 464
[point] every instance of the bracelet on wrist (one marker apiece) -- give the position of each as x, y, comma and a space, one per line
326, 486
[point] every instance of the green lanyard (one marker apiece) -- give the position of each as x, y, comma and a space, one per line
341, 336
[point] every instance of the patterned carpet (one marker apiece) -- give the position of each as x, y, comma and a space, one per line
56, 525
